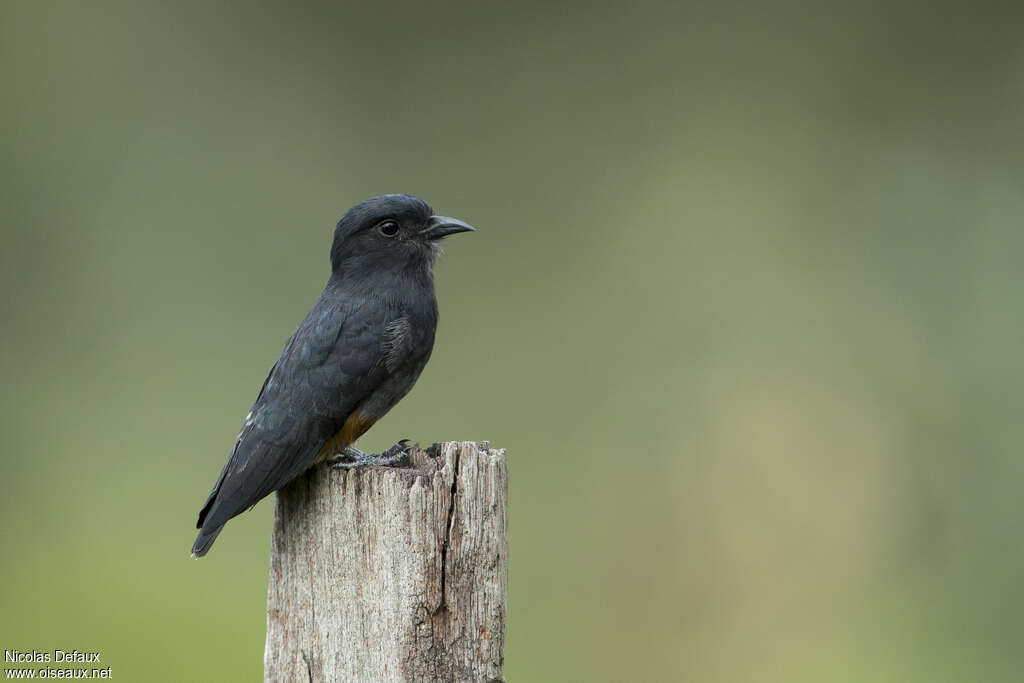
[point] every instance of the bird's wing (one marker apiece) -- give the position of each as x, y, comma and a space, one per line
330, 365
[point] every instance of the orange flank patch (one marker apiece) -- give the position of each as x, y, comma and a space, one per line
355, 426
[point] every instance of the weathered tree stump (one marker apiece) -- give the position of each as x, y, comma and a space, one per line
392, 574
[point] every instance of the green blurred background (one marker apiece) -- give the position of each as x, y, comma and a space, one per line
745, 308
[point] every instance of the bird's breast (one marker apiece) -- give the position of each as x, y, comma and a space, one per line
397, 342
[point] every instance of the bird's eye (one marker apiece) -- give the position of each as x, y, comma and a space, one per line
388, 228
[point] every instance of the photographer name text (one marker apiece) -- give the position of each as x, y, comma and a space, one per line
37, 657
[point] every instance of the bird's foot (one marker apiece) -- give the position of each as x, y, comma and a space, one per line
353, 457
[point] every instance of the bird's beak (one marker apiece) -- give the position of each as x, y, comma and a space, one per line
442, 226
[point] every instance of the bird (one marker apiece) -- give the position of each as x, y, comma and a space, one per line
357, 352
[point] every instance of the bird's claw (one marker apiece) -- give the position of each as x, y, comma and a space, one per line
351, 457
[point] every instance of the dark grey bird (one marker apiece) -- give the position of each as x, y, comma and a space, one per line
359, 350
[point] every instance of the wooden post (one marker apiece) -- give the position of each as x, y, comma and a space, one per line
392, 574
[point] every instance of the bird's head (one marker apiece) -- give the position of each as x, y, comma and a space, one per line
393, 230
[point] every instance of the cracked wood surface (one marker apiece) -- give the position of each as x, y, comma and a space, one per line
392, 574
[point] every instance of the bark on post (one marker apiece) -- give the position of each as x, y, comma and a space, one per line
387, 574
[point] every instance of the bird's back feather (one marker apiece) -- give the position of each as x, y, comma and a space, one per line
328, 367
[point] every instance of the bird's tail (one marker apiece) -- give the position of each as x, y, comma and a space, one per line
204, 540
206, 535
